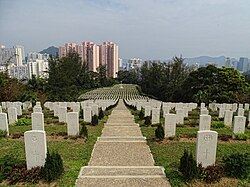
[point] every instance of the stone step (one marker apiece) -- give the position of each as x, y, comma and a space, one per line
121, 154
142, 181
122, 139
121, 131
116, 171
121, 124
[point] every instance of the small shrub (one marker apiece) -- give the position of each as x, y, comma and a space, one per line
224, 137
147, 120
159, 132
94, 120
188, 166
101, 114
218, 124
81, 113
3, 134
53, 167
22, 122
21, 174
84, 131
141, 115
241, 136
210, 174
237, 165
7, 164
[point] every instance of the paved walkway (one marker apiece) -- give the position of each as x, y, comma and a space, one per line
121, 156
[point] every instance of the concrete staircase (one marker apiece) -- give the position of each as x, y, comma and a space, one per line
121, 156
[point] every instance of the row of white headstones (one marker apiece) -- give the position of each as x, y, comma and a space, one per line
206, 142
35, 139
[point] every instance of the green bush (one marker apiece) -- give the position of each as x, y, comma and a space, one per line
237, 165
7, 164
81, 113
21, 174
147, 120
218, 124
188, 166
3, 134
101, 114
210, 174
141, 115
53, 167
94, 120
22, 122
84, 131
159, 132
241, 136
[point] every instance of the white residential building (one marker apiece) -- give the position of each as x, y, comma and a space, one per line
39, 68
19, 72
11, 55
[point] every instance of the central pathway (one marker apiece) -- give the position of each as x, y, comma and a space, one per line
121, 156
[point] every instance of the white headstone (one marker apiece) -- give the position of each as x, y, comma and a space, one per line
1, 111
246, 106
12, 115
19, 110
87, 114
4, 123
35, 148
206, 146
62, 114
56, 109
235, 107
205, 122
240, 105
240, 112
203, 105
170, 125
204, 111
37, 120
147, 111
239, 125
73, 123
228, 119
37, 108
180, 116
76, 108
94, 109
4, 105
155, 115
221, 112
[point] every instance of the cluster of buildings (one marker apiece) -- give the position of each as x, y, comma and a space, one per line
243, 65
95, 55
23, 67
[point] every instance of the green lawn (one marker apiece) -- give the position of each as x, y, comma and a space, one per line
167, 153
74, 152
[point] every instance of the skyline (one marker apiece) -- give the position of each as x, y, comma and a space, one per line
147, 29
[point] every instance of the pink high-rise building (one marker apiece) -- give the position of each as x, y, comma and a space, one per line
109, 58
93, 55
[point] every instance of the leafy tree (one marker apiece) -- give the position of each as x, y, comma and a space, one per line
208, 84
11, 89
164, 81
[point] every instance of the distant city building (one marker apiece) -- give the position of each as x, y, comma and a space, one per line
109, 58
90, 55
38, 68
37, 56
94, 55
19, 72
243, 64
11, 55
135, 63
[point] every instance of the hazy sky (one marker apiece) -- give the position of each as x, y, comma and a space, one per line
148, 29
